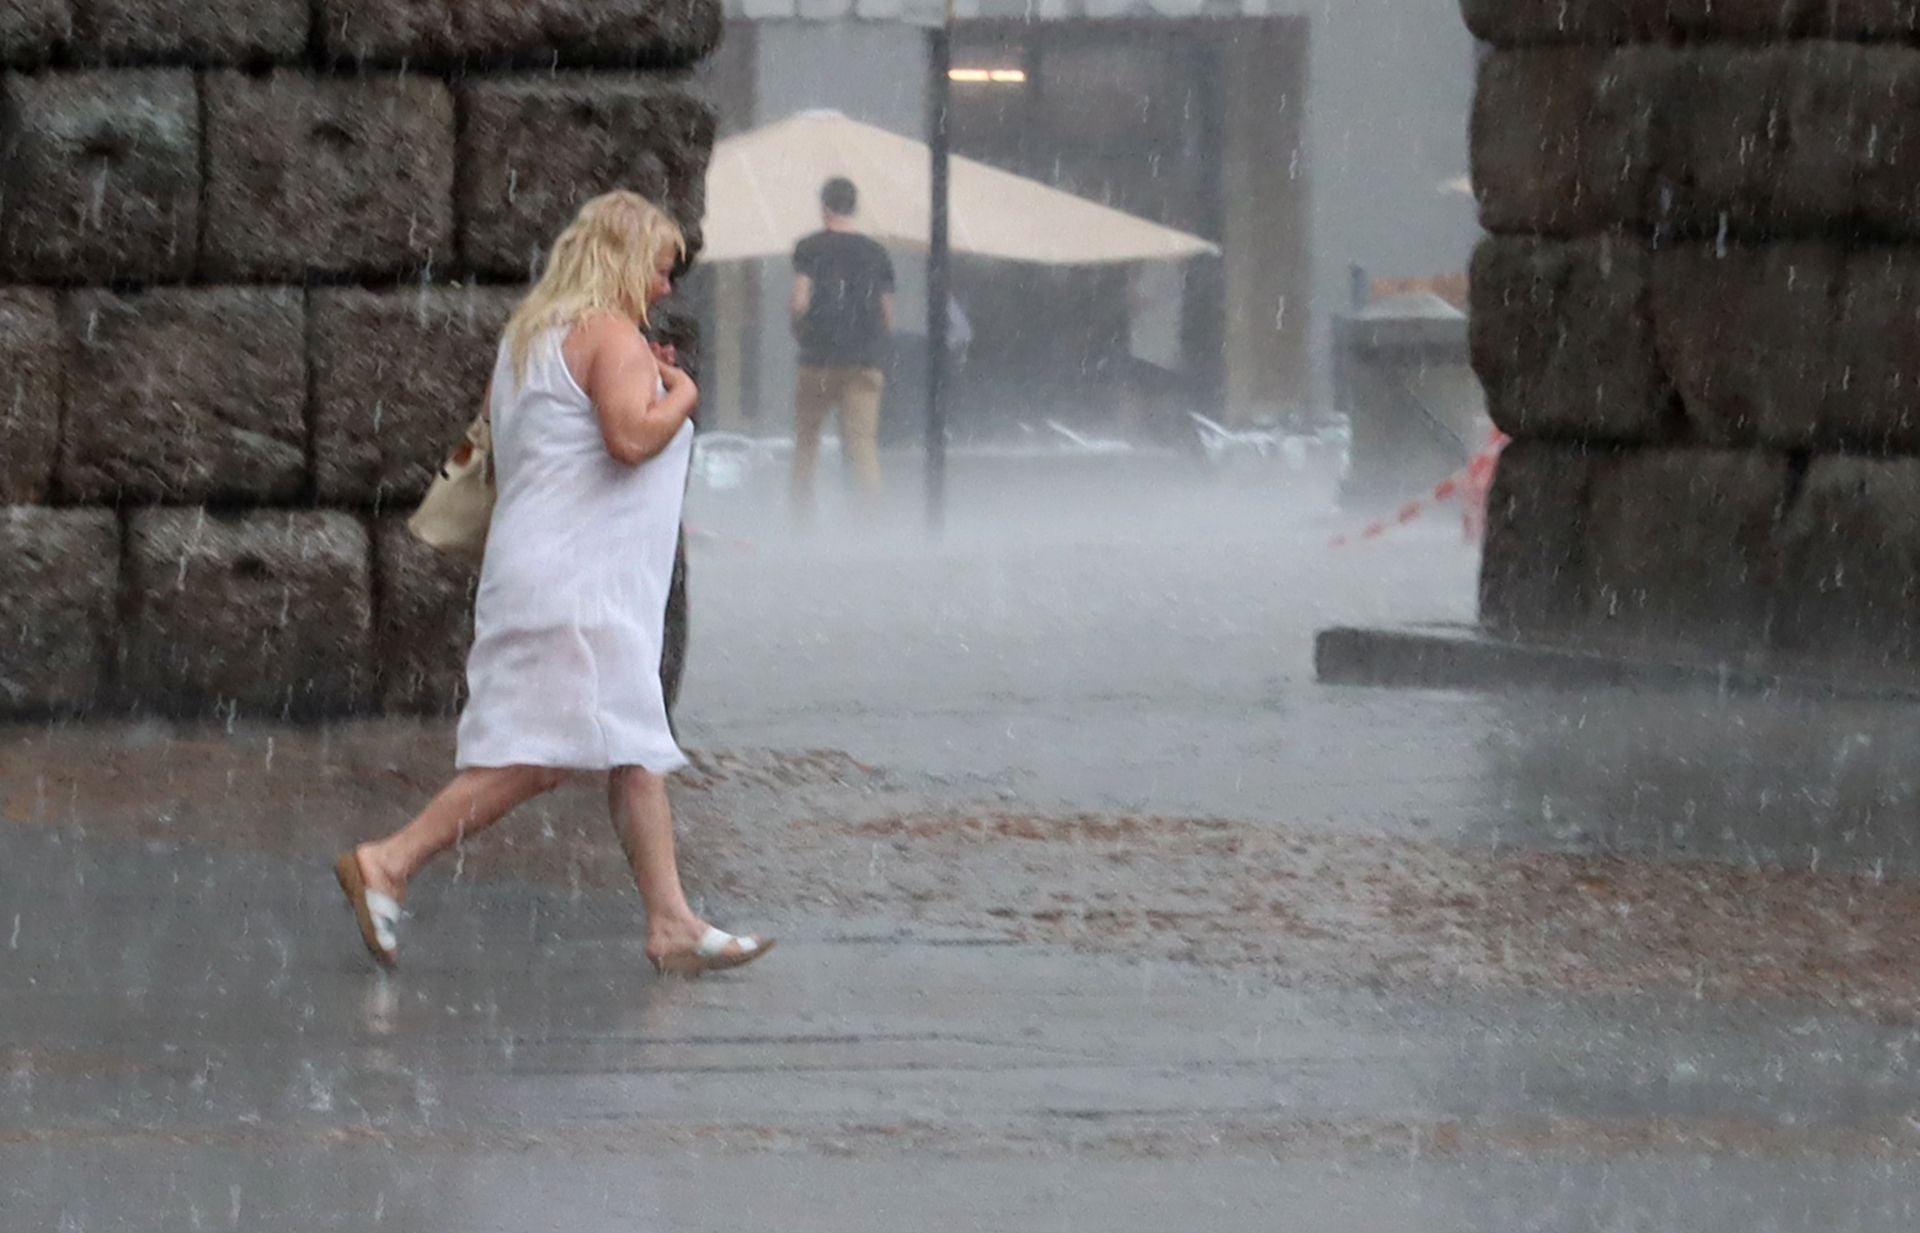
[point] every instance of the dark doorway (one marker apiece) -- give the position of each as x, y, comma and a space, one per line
1123, 113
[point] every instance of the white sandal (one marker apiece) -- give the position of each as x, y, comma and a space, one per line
378, 913
713, 955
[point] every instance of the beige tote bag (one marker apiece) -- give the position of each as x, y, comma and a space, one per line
454, 515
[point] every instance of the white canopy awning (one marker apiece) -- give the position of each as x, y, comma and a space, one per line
763, 195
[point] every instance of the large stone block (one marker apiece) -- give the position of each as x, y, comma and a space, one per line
185, 394
1850, 575
200, 31
1830, 120
1563, 340
1534, 576
1525, 23
30, 30
1562, 138
397, 376
1797, 346
533, 149
269, 613
1857, 129
652, 33
1744, 332
627, 33
336, 175
1682, 548
1861, 19
1718, 140
1521, 23
424, 623
101, 175
385, 32
1705, 140
1787, 141
1872, 357
29, 393
59, 572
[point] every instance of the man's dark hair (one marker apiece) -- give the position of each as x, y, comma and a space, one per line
839, 196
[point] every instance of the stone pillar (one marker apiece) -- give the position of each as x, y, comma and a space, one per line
1269, 279
253, 258
1698, 315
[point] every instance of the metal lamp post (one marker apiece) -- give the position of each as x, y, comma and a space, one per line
939, 253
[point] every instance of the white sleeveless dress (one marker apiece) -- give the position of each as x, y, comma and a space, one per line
565, 666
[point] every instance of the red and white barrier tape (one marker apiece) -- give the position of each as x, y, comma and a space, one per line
1470, 484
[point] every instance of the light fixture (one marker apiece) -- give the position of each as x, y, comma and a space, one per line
982, 76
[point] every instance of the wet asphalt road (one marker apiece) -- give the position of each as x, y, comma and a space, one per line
1097, 914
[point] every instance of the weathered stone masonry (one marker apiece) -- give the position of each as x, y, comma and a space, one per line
253, 254
1698, 313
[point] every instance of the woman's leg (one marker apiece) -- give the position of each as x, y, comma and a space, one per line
476, 799
637, 798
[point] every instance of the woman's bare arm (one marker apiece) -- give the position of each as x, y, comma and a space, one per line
623, 379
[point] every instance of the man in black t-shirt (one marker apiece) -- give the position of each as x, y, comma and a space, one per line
843, 316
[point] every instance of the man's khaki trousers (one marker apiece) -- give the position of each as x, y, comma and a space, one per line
855, 394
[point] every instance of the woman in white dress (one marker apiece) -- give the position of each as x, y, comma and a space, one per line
591, 439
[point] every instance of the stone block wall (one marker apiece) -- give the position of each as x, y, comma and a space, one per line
254, 255
1698, 314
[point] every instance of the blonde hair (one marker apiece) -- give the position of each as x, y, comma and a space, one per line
604, 261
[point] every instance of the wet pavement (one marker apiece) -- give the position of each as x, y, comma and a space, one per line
1096, 913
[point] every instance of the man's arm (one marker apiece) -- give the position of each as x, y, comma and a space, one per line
801, 300
886, 288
